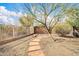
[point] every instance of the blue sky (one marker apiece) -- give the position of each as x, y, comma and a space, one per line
11, 9
11, 6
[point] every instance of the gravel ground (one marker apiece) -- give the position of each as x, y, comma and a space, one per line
61, 47
16, 48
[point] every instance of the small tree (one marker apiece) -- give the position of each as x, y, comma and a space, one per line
26, 20
43, 14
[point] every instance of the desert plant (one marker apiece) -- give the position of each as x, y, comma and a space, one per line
62, 29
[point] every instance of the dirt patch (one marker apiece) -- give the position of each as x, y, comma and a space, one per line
62, 46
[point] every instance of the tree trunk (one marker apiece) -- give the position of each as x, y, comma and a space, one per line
75, 32
49, 32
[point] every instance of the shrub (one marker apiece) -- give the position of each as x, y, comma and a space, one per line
62, 29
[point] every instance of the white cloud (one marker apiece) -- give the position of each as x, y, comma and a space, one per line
7, 16
6, 12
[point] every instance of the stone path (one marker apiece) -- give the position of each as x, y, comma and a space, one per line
34, 48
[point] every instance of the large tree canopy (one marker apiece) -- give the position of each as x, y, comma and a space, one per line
73, 16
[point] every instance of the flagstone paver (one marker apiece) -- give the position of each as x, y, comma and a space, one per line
34, 48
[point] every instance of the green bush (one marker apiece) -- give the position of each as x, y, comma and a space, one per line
62, 29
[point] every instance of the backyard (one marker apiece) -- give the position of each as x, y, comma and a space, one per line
41, 45
41, 29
